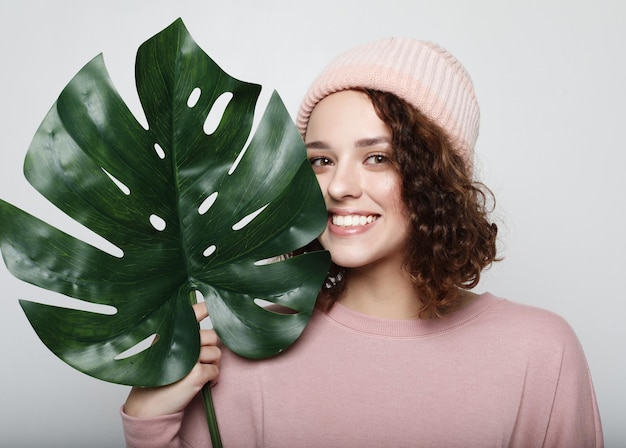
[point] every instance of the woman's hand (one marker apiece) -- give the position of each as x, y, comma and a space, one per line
155, 401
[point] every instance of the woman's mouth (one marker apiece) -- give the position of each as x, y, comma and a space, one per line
352, 220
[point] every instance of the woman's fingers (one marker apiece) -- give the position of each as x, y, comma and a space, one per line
209, 337
200, 310
209, 351
147, 402
210, 354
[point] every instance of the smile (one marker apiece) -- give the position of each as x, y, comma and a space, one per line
353, 220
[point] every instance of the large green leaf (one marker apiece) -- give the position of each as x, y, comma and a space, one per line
93, 160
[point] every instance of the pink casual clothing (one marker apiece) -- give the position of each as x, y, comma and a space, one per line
493, 374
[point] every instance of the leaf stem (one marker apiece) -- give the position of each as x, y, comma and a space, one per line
216, 440
207, 399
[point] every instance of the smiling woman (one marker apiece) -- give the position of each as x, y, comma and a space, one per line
399, 352
367, 221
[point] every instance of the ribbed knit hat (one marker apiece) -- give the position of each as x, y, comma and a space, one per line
420, 72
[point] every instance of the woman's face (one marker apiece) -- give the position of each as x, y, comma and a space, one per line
350, 150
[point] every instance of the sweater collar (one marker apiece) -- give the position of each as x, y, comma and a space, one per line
374, 326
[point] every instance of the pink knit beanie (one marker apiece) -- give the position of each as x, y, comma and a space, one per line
422, 73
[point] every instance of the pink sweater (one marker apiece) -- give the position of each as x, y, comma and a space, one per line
494, 374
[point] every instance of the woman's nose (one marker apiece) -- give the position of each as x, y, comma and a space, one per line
345, 182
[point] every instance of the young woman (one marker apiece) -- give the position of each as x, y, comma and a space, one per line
399, 352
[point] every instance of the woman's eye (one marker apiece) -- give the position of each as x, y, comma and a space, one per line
376, 159
319, 161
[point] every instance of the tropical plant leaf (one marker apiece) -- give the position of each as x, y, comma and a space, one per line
190, 210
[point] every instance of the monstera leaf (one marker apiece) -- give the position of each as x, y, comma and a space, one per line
190, 210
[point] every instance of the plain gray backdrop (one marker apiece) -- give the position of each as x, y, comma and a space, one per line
550, 77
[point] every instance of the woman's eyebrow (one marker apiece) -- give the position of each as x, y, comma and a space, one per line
317, 144
361, 143
374, 141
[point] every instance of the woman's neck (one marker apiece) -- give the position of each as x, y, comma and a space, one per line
384, 293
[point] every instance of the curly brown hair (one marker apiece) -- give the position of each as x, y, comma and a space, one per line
451, 238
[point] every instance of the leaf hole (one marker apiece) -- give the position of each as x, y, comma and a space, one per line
207, 203
194, 96
274, 307
159, 151
138, 348
123, 188
216, 113
270, 260
237, 160
66, 302
158, 223
262, 104
110, 248
248, 219
209, 250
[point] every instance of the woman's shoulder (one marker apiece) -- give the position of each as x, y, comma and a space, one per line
530, 323
517, 311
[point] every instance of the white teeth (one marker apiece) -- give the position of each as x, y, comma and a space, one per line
352, 220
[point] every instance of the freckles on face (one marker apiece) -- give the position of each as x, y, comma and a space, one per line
350, 150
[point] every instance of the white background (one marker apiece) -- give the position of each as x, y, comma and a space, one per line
550, 78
